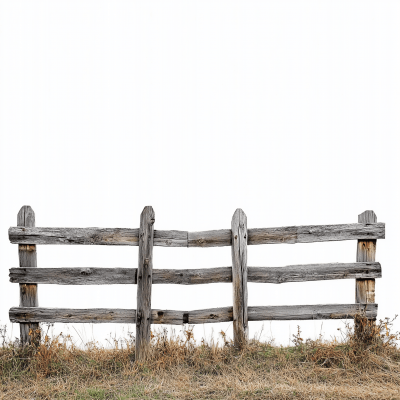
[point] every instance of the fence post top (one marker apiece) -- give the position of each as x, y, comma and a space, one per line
26, 216
239, 212
367, 217
148, 212
26, 209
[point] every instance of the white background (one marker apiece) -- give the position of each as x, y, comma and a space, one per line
286, 109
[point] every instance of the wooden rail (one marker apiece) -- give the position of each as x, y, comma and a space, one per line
128, 276
217, 238
173, 317
29, 314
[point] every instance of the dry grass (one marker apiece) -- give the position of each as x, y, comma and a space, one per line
365, 365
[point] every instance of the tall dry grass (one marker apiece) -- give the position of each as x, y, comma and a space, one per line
360, 365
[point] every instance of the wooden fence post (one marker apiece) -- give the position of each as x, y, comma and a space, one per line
144, 282
239, 278
365, 288
28, 296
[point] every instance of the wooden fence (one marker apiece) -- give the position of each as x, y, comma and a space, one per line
29, 314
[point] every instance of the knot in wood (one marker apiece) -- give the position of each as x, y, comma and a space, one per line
281, 279
146, 262
95, 238
139, 317
86, 271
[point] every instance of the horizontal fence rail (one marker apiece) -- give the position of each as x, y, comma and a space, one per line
216, 238
173, 317
29, 314
128, 276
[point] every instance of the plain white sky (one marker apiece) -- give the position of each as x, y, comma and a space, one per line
287, 109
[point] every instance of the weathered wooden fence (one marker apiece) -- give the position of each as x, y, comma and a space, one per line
29, 314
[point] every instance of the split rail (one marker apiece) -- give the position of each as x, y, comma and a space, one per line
29, 314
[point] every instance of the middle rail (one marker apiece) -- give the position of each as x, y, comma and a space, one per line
110, 276
206, 316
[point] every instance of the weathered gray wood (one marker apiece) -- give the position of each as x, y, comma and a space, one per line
316, 233
128, 276
75, 276
192, 276
171, 317
366, 249
239, 278
95, 236
171, 238
174, 317
216, 238
28, 294
72, 315
144, 283
313, 272
319, 311
87, 236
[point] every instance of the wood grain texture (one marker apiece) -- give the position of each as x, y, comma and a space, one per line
75, 276
86, 236
128, 276
144, 283
28, 293
206, 316
366, 249
215, 238
306, 312
316, 233
313, 272
239, 278
192, 276
171, 317
72, 315
171, 238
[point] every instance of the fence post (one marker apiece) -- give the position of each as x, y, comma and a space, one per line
365, 288
239, 278
144, 282
28, 296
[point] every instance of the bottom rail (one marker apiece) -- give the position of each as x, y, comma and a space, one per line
171, 317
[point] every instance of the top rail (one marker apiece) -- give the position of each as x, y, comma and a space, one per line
214, 238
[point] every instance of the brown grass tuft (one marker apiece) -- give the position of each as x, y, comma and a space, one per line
361, 365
